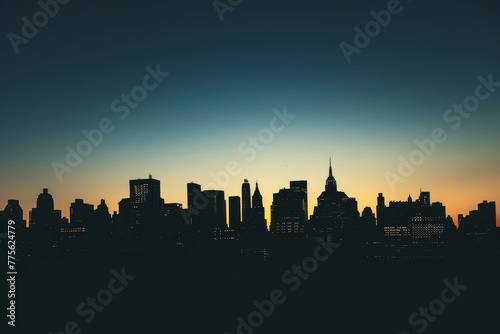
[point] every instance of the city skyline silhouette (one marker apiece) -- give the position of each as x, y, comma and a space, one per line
409, 239
267, 215
403, 230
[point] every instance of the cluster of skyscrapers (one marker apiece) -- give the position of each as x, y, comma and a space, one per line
404, 230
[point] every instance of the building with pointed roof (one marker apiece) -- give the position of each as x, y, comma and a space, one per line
336, 214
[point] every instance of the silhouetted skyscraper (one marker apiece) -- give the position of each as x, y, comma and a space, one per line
44, 214
74, 237
172, 213
331, 183
101, 213
413, 229
369, 236
487, 214
288, 223
80, 213
301, 185
211, 220
336, 214
428, 229
140, 212
368, 217
100, 229
380, 209
195, 201
478, 224
424, 198
145, 190
234, 212
13, 211
214, 214
45, 223
254, 241
170, 234
288, 213
258, 220
245, 202
193, 189
145, 200
124, 215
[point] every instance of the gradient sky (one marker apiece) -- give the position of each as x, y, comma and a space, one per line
225, 80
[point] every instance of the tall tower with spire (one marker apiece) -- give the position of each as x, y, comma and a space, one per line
331, 184
256, 197
336, 213
258, 219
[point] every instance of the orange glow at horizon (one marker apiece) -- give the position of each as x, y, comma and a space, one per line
173, 190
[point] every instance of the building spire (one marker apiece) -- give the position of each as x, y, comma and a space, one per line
331, 184
257, 197
256, 191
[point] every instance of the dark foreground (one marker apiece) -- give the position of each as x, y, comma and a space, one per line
198, 294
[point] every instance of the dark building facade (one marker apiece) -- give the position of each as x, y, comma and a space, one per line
246, 205
253, 235
80, 213
258, 220
214, 214
234, 212
479, 224
101, 214
44, 224
145, 200
302, 186
13, 211
289, 222
336, 214
195, 201
44, 215
414, 230
140, 213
